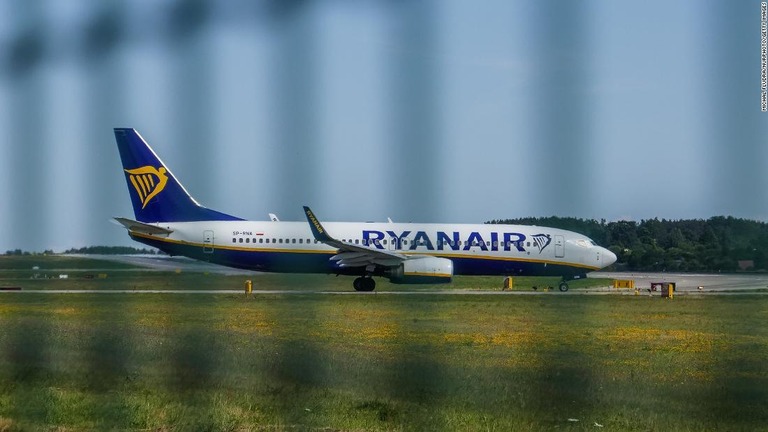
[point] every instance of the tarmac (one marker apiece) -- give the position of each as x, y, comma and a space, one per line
686, 284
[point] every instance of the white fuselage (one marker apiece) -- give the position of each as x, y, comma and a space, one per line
474, 248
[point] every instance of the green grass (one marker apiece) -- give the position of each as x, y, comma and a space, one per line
309, 362
227, 362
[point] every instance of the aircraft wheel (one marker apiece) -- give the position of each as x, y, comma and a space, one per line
368, 284
563, 286
358, 284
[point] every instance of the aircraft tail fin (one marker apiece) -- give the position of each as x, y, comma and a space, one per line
155, 193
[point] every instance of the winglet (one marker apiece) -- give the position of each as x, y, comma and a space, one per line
318, 231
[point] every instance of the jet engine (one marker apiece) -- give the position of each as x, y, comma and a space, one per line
427, 270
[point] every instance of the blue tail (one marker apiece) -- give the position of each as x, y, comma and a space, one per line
156, 194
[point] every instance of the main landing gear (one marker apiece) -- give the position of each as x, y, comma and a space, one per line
563, 286
364, 283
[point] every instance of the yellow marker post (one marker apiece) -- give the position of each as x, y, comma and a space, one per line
508, 283
668, 290
248, 286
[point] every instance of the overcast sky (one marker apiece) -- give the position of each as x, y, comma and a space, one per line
439, 111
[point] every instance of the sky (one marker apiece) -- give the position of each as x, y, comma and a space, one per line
423, 111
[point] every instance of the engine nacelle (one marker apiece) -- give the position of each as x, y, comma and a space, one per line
427, 270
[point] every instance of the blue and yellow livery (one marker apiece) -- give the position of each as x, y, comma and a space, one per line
168, 218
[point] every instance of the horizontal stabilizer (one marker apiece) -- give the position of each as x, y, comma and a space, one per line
140, 227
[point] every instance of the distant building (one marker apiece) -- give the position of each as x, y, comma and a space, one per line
746, 264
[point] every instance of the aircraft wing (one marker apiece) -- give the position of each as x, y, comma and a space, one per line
352, 255
140, 227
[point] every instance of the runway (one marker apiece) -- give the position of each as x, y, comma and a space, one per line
257, 293
691, 282
168, 263
686, 284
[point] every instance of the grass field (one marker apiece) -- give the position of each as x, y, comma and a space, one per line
314, 362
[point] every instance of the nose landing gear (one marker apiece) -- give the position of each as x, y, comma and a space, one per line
564, 283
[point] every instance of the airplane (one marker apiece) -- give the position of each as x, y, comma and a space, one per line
169, 219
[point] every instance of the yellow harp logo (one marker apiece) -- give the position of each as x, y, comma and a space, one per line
148, 182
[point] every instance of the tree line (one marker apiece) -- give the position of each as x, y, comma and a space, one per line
718, 244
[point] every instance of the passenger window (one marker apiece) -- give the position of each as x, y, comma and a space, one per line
384, 241
301, 241
248, 240
293, 241
487, 243
234, 240
357, 241
261, 240
240, 240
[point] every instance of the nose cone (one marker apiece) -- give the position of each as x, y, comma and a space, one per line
608, 257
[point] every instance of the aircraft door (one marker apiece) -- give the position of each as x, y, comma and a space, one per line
208, 241
559, 246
